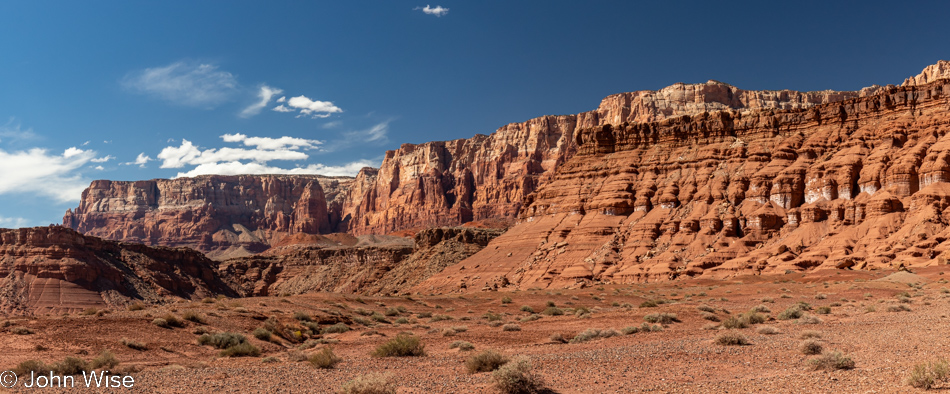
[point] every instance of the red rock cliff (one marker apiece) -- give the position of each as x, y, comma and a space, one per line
855, 183
218, 214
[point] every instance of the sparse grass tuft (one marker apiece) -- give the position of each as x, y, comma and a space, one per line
133, 344
324, 359
194, 317
263, 334
732, 339
403, 345
661, 318
552, 311
242, 350
527, 308
336, 329
516, 377
831, 361
222, 340
810, 346
136, 306
767, 330
486, 361
511, 327
462, 345
369, 384
105, 360
793, 312
926, 374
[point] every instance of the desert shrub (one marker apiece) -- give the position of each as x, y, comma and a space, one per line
243, 349
793, 312
136, 306
302, 316
403, 345
21, 331
505, 300
70, 366
630, 330
511, 327
823, 310
527, 308
363, 321
174, 321
486, 361
448, 332
734, 322
551, 303
732, 339
516, 377
378, 317
324, 359
35, 366
492, 316
650, 327
531, 317
610, 332
761, 309
336, 329
809, 319
133, 344
424, 315
401, 320
810, 334
438, 318
593, 333
460, 328
831, 361
89, 312
161, 323
926, 374
263, 334
105, 360
898, 308
820, 296
461, 345
706, 308
222, 340
558, 338
661, 318
369, 384
391, 312
649, 304
810, 346
270, 360
363, 312
193, 316
769, 300
552, 311
296, 356
709, 316
767, 330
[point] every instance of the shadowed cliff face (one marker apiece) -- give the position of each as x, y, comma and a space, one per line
859, 183
55, 269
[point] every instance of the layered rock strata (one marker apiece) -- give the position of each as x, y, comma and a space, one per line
858, 183
55, 269
221, 215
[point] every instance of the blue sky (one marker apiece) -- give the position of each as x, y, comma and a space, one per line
130, 90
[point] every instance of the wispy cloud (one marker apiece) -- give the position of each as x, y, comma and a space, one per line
38, 171
193, 85
265, 94
103, 159
308, 107
14, 133
377, 134
438, 10
273, 143
13, 222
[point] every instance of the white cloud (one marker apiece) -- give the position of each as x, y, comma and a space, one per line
37, 171
102, 159
140, 160
100, 168
194, 85
13, 222
308, 107
189, 154
333, 124
438, 11
72, 151
281, 99
272, 143
238, 168
266, 94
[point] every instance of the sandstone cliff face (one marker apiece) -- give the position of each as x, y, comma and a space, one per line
55, 269
856, 183
217, 214
488, 177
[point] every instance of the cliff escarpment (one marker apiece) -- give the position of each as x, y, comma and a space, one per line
859, 183
220, 215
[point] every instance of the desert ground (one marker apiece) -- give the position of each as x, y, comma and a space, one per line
884, 321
